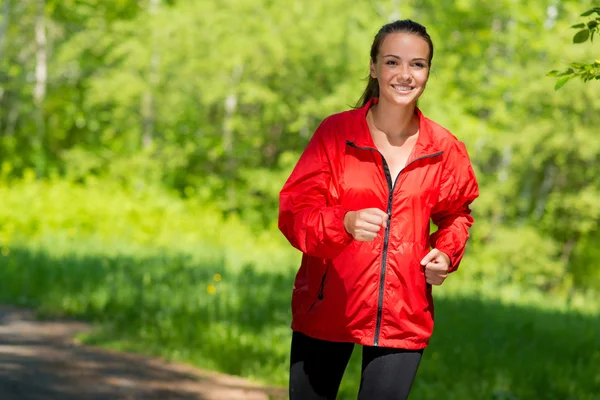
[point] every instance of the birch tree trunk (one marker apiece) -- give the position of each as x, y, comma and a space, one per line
148, 100
3, 29
41, 76
230, 104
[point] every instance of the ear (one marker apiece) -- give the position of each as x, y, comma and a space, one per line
372, 69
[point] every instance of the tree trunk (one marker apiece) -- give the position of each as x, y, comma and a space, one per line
11, 118
550, 172
41, 75
230, 104
565, 258
3, 29
3, 26
148, 100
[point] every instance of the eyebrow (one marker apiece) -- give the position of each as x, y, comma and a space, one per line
399, 58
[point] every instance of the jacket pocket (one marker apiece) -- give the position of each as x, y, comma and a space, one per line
321, 292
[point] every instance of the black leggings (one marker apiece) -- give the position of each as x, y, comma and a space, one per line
317, 367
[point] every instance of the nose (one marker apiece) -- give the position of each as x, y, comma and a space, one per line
404, 72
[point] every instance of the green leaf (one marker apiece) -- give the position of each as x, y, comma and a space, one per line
581, 36
554, 72
561, 82
578, 26
590, 12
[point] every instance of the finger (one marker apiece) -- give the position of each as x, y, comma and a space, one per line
436, 282
373, 218
386, 218
434, 279
366, 237
369, 227
429, 257
437, 267
376, 216
371, 231
441, 257
380, 213
436, 273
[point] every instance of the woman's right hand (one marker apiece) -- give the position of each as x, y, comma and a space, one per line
364, 224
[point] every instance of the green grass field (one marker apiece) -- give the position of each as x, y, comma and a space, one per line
227, 308
237, 322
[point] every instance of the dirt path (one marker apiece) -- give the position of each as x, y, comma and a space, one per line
40, 361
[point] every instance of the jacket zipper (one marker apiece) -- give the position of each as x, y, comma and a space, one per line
386, 237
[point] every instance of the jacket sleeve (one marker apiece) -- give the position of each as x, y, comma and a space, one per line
310, 216
452, 213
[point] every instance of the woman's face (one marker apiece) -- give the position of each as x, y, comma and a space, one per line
402, 68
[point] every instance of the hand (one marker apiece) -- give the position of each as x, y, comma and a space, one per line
436, 266
364, 224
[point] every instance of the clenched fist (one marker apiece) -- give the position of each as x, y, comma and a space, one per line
437, 265
364, 224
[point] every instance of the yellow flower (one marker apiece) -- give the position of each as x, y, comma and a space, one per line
211, 289
217, 278
5, 251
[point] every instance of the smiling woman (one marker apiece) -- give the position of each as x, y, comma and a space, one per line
403, 69
415, 37
358, 205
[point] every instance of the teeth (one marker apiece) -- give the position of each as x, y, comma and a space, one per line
403, 88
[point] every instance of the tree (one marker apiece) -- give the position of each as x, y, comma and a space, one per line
585, 71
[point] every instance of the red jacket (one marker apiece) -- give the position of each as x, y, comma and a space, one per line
373, 293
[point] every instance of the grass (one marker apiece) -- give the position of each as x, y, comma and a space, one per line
236, 321
165, 305
163, 276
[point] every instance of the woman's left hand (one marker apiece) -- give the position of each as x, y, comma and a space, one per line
436, 266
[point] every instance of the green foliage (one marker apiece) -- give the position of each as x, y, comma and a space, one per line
586, 255
169, 131
518, 255
215, 106
112, 215
237, 321
171, 277
589, 71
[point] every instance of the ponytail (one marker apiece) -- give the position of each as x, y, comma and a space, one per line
371, 91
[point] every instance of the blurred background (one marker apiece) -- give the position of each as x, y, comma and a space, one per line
143, 144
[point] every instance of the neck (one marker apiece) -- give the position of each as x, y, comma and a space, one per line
396, 122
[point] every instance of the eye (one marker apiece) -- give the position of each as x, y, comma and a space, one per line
420, 65
391, 62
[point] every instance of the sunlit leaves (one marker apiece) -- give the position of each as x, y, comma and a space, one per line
581, 36
586, 72
592, 11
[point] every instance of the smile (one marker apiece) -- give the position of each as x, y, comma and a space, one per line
403, 89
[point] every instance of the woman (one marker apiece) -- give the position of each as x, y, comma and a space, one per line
358, 205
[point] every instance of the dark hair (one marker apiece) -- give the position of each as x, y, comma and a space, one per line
401, 26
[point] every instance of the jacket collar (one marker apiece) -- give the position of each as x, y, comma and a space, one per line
426, 142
